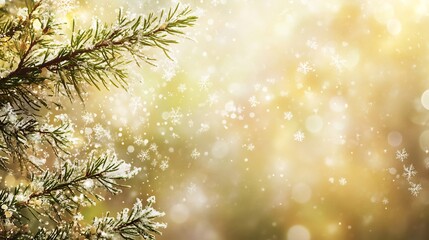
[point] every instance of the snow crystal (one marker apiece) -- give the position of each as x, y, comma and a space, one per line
401, 154
299, 136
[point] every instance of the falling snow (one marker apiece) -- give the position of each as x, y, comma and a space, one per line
299, 136
401, 154
268, 108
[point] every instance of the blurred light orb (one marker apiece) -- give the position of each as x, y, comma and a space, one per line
338, 104
301, 193
314, 123
425, 99
165, 115
393, 171
88, 131
179, 213
394, 26
394, 138
383, 12
298, 232
130, 149
220, 149
352, 58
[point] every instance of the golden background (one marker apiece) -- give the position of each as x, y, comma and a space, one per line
217, 131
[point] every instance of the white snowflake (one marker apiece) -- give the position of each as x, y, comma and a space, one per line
299, 136
192, 187
415, 188
385, 201
203, 128
213, 98
195, 154
164, 165
101, 133
135, 104
144, 155
401, 154
304, 67
338, 62
288, 116
250, 147
153, 147
253, 101
409, 172
312, 44
181, 88
204, 83
175, 116
139, 140
342, 181
168, 69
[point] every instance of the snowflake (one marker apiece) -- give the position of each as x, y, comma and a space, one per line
409, 172
168, 69
288, 116
195, 154
175, 116
144, 155
304, 67
153, 147
250, 147
154, 163
401, 154
385, 201
415, 188
338, 62
204, 83
181, 88
299, 136
342, 181
203, 128
192, 187
139, 140
164, 165
101, 133
62, 6
253, 101
213, 98
312, 44
135, 104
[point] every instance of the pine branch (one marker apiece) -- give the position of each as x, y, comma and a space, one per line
95, 55
129, 224
20, 132
34, 69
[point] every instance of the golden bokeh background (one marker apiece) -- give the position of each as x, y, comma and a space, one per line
278, 120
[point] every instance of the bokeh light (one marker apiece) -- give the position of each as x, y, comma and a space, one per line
291, 120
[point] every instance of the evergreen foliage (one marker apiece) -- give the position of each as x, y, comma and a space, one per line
39, 64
